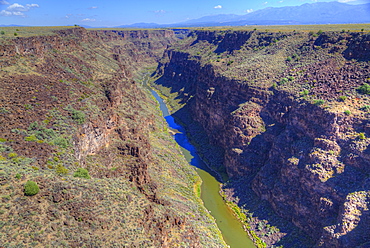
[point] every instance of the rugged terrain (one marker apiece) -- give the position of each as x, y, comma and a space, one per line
282, 114
72, 99
286, 116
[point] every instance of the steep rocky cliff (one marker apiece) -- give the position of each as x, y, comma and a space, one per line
289, 112
75, 121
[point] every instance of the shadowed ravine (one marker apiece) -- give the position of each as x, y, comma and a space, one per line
231, 228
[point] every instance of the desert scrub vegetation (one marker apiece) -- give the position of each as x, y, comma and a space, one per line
82, 173
365, 108
296, 28
361, 136
304, 93
364, 89
31, 188
347, 112
8, 32
318, 102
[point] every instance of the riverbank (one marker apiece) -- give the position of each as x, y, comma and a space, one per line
213, 179
263, 226
232, 230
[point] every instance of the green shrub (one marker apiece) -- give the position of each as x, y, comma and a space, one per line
82, 173
364, 89
320, 32
304, 92
48, 133
365, 108
40, 132
342, 98
2, 32
28, 106
31, 188
33, 126
31, 138
12, 155
289, 59
291, 78
283, 81
347, 112
61, 142
61, 170
318, 102
18, 176
5, 148
78, 116
361, 136
6, 197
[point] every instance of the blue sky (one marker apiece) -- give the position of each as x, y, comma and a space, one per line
114, 13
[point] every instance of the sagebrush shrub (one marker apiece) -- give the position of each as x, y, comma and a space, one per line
82, 173
31, 188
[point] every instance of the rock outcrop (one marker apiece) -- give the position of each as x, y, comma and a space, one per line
73, 101
285, 109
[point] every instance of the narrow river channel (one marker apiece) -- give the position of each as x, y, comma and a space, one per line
231, 229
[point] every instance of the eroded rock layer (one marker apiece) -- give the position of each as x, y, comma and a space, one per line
76, 120
289, 111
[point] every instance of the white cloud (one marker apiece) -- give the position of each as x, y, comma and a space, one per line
88, 20
5, 13
346, 1
160, 11
218, 7
18, 13
249, 11
265, 3
3, 2
93, 7
17, 9
33, 5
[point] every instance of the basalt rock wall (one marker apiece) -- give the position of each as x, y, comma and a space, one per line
308, 160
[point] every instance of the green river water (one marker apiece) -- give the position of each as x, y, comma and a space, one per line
231, 229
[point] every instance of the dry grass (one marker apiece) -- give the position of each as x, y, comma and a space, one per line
288, 28
9, 32
111, 204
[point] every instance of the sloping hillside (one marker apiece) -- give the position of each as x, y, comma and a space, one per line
106, 171
286, 115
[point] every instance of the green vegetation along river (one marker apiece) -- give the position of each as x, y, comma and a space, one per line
231, 228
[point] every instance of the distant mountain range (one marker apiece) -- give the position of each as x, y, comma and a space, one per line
11, 25
313, 13
309, 13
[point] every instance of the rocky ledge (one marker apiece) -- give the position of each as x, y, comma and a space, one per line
289, 113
